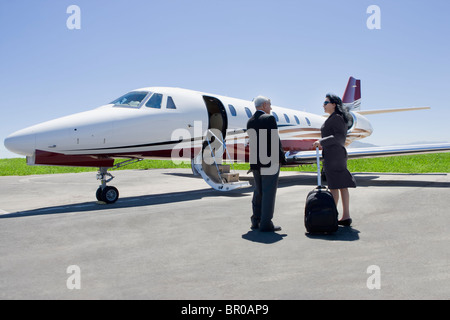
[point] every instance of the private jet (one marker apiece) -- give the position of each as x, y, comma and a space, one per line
173, 123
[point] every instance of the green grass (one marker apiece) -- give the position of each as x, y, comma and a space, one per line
19, 167
426, 163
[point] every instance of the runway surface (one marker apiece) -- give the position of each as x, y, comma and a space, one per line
172, 237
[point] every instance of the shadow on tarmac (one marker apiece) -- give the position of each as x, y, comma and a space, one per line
263, 237
343, 234
362, 180
304, 179
130, 202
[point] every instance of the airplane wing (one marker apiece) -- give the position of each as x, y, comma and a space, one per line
306, 157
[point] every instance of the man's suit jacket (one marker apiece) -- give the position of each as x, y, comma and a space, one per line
261, 120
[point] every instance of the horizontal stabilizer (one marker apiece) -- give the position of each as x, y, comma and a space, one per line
366, 112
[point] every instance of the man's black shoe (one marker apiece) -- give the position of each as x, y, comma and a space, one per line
273, 229
254, 226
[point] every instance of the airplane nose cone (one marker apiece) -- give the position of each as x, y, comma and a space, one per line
22, 143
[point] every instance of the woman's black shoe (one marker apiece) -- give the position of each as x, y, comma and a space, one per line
345, 223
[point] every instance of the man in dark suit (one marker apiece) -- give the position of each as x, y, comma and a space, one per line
266, 154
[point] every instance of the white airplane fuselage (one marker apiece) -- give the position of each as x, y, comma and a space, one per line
138, 131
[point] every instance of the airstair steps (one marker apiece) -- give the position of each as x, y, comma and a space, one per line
224, 181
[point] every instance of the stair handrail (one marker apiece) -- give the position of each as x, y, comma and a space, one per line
222, 141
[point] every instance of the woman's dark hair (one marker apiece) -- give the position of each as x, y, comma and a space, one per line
340, 109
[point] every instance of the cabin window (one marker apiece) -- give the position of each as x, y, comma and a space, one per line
249, 113
131, 99
276, 116
232, 110
287, 118
170, 103
296, 120
154, 101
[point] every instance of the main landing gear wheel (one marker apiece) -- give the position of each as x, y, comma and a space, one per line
108, 194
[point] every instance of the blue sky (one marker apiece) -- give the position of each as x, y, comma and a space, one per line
291, 51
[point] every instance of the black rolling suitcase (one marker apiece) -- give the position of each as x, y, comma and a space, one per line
321, 214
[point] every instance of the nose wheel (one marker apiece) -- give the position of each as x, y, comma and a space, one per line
107, 194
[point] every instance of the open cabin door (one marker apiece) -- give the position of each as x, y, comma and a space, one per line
209, 162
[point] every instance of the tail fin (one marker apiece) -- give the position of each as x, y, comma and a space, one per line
352, 100
352, 95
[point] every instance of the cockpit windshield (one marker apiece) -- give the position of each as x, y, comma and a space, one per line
131, 99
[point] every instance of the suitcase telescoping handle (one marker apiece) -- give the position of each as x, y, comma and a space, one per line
319, 178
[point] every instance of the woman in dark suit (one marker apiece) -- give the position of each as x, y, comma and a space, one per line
334, 133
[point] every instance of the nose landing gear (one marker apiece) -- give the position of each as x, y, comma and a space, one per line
107, 194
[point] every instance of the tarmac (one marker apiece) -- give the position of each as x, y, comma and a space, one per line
170, 236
